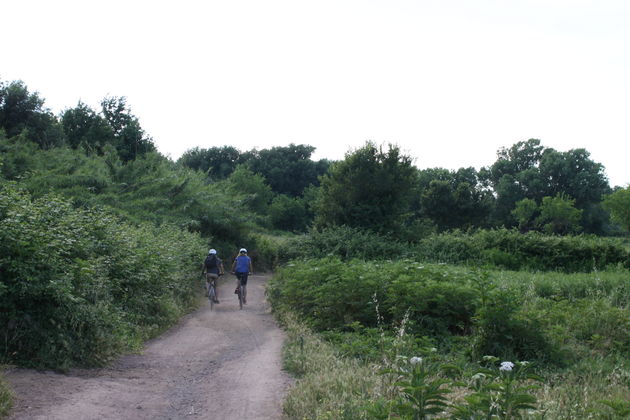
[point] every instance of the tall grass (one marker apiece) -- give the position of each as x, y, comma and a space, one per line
576, 326
6, 396
328, 386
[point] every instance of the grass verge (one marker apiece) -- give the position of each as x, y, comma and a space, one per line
6, 397
332, 386
328, 386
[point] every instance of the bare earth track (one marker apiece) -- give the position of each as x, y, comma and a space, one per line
221, 364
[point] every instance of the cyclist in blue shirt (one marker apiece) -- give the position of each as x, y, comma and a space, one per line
242, 267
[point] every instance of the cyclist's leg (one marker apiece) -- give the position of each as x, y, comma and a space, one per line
244, 284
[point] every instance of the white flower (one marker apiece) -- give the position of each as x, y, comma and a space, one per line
506, 366
415, 360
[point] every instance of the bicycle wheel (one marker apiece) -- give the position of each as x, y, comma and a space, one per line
211, 295
240, 296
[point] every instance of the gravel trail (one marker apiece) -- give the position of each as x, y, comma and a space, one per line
222, 364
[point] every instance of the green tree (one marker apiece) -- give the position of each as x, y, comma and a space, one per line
288, 170
559, 215
453, 199
252, 187
84, 128
23, 112
529, 170
131, 140
217, 162
618, 204
369, 189
525, 213
288, 213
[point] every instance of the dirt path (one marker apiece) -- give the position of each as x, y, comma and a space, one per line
220, 364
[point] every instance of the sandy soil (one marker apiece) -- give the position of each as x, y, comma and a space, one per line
221, 364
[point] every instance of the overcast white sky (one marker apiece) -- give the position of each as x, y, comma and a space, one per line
450, 82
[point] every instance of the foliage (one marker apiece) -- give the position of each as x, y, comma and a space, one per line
329, 387
370, 189
333, 294
130, 139
529, 170
500, 329
530, 251
618, 204
453, 199
367, 373
288, 213
23, 113
346, 243
217, 162
559, 216
288, 170
422, 393
525, 213
86, 129
6, 398
505, 393
79, 286
257, 194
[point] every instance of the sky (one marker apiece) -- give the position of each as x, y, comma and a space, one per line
448, 81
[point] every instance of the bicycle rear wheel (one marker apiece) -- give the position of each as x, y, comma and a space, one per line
240, 296
211, 295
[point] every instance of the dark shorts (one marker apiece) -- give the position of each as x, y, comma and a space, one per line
242, 277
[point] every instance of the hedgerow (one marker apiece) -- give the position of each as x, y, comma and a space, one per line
80, 286
512, 250
500, 248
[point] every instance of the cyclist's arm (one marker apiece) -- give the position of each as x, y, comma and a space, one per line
203, 268
221, 269
251, 268
233, 267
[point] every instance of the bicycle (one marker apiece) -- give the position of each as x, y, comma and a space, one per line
240, 292
240, 295
212, 292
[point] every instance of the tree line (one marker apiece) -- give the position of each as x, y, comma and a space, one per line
529, 186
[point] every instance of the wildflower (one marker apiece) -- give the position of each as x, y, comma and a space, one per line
415, 360
506, 366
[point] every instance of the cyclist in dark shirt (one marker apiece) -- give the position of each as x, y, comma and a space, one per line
213, 268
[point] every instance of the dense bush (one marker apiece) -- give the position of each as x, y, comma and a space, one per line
532, 251
79, 286
513, 315
331, 293
346, 243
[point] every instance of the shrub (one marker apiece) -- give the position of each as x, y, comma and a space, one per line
512, 250
346, 243
79, 286
502, 331
332, 294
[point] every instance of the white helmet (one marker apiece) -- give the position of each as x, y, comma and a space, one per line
212, 251
243, 250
